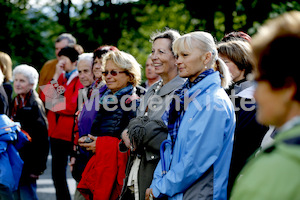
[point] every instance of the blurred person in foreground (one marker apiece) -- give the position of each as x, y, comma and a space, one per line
103, 176
146, 132
48, 69
28, 109
248, 135
196, 156
273, 173
151, 76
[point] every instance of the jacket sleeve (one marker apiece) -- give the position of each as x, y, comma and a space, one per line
38, 130
155, 135
200, 149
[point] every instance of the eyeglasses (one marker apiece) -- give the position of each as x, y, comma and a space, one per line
113, 72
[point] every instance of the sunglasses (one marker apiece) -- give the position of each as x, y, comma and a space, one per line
113, 72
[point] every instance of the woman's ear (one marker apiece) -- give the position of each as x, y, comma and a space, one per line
207, 58
131, 78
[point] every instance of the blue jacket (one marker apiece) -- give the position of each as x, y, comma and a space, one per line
202, 152
11, 140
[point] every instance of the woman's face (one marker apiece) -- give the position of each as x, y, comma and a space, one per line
236, 73
97, 68
272, 105
150, 70
115, 81
21, 84
191, 64
162, 57
67, 66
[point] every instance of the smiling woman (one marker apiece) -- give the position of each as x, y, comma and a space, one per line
118, 104
186, 171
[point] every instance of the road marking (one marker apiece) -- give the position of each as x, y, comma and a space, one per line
41, 183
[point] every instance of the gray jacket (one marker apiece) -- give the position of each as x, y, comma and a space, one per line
151, 140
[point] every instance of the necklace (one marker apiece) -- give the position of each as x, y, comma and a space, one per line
159, 85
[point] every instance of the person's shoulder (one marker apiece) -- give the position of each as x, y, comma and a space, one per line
50, 63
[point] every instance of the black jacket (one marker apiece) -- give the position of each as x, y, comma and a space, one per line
33, 120
113, 122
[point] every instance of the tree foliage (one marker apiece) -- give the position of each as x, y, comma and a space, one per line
28, 34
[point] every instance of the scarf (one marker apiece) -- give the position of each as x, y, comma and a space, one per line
118, 94
98, 83
19, 103
174, 116
68, 74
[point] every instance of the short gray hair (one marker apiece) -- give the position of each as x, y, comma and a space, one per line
29, 72
87, 57
170, 34
71, 39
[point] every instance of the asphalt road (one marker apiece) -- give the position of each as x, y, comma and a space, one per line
45, 187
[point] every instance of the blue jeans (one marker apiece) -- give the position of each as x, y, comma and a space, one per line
26, 192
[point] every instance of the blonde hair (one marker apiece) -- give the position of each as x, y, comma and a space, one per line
205, 42
127, 62
6, 66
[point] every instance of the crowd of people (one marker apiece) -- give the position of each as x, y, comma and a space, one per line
195, 129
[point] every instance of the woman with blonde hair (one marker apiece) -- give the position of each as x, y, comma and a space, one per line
147, 131
6, 68
103, 176
195, 158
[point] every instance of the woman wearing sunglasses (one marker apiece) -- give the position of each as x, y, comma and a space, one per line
104, 173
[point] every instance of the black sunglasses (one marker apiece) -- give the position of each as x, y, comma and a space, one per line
113, 72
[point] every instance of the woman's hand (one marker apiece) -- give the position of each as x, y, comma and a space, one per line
59, 69
149, 194
33, 176
88, 146
72, 163
126, 140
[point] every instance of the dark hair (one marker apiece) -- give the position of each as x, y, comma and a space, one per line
100, 51
70, 52
239, 52
236, 35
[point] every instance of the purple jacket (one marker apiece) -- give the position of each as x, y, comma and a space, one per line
89, 112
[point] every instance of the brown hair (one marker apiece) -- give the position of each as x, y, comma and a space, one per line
276, 48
